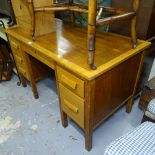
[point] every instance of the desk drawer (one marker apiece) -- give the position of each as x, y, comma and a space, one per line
23, 72
19, 61
15, 46
42, 57
73, 83
72, 105
21, 65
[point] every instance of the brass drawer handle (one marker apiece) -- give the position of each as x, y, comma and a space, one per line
14, 45
70, 106
68, 82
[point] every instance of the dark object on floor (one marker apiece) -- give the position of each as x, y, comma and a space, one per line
145, 118
6, 63
148, 93
147, 101
149, 114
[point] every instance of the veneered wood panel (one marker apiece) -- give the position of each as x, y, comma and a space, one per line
114, 87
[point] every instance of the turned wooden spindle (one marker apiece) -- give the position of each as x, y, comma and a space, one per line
32, 13
134, 24
92, 13
72, 15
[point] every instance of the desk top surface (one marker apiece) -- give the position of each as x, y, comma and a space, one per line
68, 47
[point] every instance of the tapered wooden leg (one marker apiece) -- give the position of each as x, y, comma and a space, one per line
34, 89
129, 105
89, 113
88, 138
64, 119
31, 76
133, 32
130, 101
22, 79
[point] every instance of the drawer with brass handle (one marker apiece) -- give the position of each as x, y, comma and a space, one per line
70, 81
72, 105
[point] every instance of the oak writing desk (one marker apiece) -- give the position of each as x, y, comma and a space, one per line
86, 96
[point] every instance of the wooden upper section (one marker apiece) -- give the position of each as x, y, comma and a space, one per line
68, 47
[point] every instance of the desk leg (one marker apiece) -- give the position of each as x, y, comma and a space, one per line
129, 105
22, 79
89, 112
31, 75
130, 101
1, 71
34, 88
64, 119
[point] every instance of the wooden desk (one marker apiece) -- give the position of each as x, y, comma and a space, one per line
87, 96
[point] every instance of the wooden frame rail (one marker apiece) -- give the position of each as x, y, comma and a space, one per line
94, 19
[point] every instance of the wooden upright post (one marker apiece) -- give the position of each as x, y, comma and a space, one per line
92, 11
134, 24
72, 15
32, 13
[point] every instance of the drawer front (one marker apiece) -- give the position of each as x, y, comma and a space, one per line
21, 65
19, 62
16, 49
39, 56
23, 72
72, 105
15, 46
73, 83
